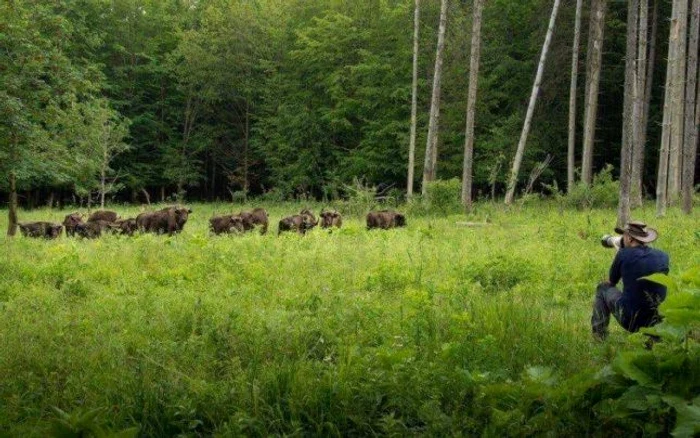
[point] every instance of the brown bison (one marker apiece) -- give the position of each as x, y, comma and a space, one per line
331, 219
258, 216
385, 219
125, 227
301, 223
70, 223
93, 229
169, 220
47, 230
226, 224
103, 215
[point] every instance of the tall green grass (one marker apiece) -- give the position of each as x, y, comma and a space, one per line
422, 330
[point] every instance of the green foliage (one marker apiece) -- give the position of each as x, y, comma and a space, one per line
602, 193
500, 273
360, 198
444, 196
85, 424
431, 329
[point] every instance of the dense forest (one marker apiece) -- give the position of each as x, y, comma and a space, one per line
148, 100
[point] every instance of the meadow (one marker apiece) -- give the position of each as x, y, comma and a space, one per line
435, 329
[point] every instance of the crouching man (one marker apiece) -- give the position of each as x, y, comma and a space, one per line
637, 305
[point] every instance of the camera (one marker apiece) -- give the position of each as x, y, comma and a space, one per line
609, 241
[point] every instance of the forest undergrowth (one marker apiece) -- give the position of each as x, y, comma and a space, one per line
436, 329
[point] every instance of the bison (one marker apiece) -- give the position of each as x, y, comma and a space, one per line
169, 220
92, 229
103, 215
226, 224
47, 230
257, 216
300, 223
385, 219
70, 222
331, 219
125, 227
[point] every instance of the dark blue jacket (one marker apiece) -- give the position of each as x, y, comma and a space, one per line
640, 298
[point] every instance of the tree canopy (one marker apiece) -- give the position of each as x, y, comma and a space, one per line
297, 97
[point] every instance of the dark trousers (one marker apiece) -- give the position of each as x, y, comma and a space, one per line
605, 304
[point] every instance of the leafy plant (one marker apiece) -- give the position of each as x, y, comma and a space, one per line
85, 423
444, 196
602, 193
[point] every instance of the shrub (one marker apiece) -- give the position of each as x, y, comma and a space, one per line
444, 196
602, 193
499, 273
360, 198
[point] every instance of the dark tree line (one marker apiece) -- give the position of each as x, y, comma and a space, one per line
221, 99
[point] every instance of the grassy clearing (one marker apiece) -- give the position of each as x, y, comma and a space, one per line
417, 330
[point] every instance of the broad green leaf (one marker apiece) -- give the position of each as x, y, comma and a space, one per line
687, 417
544, 375
628, 364
664, 280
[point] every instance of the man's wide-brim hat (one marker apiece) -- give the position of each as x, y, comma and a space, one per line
639, 231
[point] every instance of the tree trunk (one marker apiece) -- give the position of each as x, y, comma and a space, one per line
669, 128
510, 194
162, 193
103, 183
571, 156
414, 104
630, 113
430, 165
12, 211
50, 202
662, 173
246, 183
691, 125
146, 195
636, 190
593, 67
677, 99
471, 105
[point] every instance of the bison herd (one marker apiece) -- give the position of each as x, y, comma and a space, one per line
171, 220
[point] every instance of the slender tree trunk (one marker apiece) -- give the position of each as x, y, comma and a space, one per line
662, 173
510, 194
146, 195
669, 128
12, 211
471, 105
647, 80
430, 165
593, 67
571, 156
678, 101
691, 125
103, 184
246, 183
414, 104
630, 113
